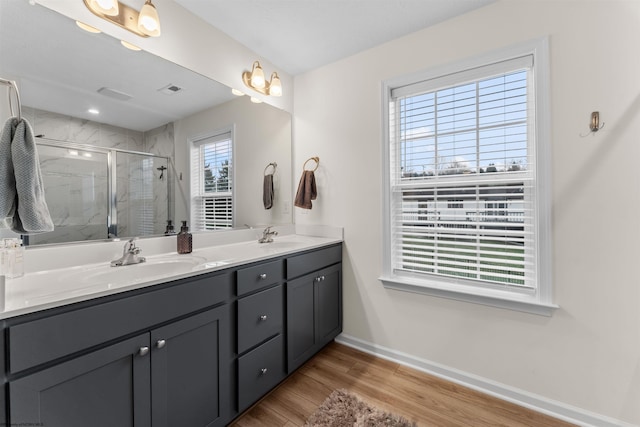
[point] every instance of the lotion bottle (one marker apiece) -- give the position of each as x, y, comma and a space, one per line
185, 239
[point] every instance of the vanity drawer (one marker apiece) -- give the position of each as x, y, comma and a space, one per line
260, 316
260, 370
38, 341
259, 276
302, 264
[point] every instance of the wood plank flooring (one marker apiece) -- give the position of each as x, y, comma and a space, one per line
422, 398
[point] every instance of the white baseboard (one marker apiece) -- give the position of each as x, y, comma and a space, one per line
523, 398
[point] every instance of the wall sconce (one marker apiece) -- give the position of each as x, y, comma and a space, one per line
256, 81
145, 23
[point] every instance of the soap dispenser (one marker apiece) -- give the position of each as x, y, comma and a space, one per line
169, 230
185, 240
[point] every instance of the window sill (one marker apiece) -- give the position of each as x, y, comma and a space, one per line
499, 299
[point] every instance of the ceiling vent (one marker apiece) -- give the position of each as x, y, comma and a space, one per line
170, 89
115, 94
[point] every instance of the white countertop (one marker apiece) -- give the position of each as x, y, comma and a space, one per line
53, 287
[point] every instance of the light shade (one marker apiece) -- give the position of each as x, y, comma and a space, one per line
106, 7
275, 87
257, 76
88, 28
148, 20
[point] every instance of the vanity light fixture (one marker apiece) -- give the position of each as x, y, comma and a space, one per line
237, 92
256, 100
256, 81
145, 23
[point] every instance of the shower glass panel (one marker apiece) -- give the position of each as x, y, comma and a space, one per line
76, 184
142, 196
96, 193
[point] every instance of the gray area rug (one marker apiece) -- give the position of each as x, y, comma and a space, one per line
342, 409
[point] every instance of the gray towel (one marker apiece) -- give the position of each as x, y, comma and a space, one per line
267, 191
22, 203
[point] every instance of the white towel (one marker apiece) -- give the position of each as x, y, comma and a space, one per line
23, 207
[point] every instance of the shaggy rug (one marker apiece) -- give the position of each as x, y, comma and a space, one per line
344, 409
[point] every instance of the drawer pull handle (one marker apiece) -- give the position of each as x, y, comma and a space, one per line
143, 351
161, 343
322, 277
263, 318
263, 371
263, 276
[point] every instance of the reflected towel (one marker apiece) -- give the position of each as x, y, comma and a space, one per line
267, 191
307, 190
22, 203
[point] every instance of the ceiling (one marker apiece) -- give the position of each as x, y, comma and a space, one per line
299, 35
60, 68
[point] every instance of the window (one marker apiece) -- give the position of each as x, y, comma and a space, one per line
212, 182
466, 182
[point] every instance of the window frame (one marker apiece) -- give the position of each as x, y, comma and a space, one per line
539, 300
194, 144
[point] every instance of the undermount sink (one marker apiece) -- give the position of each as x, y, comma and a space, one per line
151, 268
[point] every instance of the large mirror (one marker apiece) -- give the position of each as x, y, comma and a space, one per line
118, 125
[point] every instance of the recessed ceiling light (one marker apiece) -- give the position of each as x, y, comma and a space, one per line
88, 28
93, 111
129, 45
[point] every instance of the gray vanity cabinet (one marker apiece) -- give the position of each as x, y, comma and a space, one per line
314, 303
173, 372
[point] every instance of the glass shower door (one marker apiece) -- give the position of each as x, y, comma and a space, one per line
76, 184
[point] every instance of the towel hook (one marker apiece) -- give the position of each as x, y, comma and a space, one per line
594, 124
315, 159
13, 86
274, 165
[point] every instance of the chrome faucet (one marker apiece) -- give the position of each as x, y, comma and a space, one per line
129, 255
267, 235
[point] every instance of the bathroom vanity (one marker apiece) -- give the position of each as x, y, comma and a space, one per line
195, 350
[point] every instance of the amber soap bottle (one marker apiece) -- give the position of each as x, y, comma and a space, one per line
185, 239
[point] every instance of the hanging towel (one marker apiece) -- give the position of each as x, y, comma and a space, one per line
22, 203
307, 190
267, 191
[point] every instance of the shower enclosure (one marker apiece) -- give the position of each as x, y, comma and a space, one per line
98, 193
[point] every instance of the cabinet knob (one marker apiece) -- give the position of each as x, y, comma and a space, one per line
161, 343
143, 351
263, 371
263, 276
318, 279
322, 277
263, 318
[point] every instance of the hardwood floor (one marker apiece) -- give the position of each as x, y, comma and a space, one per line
422, 398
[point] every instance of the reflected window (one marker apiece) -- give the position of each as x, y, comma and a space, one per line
212, 182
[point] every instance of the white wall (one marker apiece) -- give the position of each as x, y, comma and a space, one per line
588, 353
262, 135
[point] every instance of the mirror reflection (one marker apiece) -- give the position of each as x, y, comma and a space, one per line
118, 127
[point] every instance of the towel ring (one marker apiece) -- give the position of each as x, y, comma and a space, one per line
274, 165
315, 159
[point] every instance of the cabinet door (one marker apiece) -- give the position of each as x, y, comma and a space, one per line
105, 388
300, 320
328, 305
314, 313
190, 371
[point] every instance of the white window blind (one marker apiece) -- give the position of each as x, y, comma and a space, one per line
212, 183
462, 184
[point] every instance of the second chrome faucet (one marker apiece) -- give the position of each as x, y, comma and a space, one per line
129, 255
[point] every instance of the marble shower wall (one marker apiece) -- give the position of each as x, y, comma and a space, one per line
75, 185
